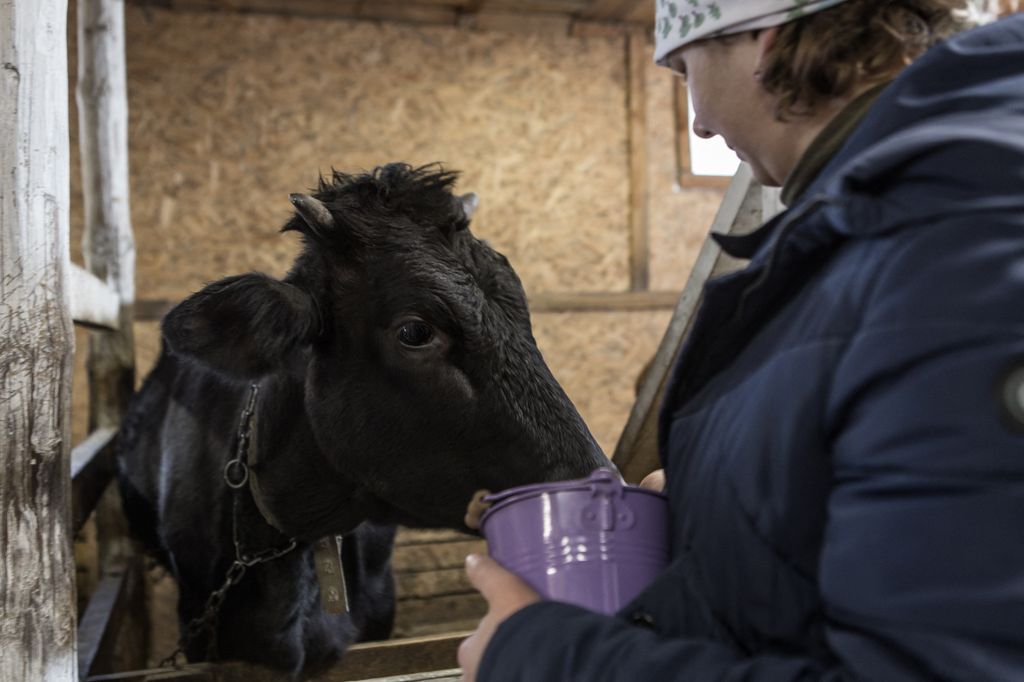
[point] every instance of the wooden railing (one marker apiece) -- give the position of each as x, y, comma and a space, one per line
399, 660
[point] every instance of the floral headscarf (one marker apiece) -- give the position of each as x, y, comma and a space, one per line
680, 22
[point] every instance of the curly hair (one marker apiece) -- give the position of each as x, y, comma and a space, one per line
830, 54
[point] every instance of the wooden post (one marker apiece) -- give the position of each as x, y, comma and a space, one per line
744, 207
107, 243
637, 56
37, 586
109, 251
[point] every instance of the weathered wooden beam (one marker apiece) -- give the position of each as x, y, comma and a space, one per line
638, 53
108, 245
107, 242
93, 303
740, 212
608, 10
37, 588
517, 22
92, 470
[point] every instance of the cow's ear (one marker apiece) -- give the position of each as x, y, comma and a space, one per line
243, 326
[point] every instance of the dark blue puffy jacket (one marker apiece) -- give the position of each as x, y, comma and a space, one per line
843, 435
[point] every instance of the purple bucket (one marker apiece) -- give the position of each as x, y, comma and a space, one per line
595, 542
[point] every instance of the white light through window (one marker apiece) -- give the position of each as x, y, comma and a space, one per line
709, 157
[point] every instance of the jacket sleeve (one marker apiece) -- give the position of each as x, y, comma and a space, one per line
922, 565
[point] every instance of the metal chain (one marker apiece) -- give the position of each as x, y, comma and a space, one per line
243, 560
238, 464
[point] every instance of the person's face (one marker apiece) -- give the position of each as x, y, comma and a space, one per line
728, 100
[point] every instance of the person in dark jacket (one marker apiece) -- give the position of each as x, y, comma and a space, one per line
843, 433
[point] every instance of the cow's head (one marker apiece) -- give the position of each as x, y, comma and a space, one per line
423, 382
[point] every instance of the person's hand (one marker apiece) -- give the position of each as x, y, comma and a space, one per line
654, 481
505, 593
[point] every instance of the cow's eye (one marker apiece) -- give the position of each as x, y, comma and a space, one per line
415, 334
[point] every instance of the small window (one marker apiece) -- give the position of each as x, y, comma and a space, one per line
702, 163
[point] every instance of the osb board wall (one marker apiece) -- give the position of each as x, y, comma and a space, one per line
230, 113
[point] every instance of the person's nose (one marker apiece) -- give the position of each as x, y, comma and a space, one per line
701, 131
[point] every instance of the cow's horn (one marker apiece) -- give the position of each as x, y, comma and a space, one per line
469, 203
313, 212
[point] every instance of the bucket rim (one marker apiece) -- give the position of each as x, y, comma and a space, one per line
602, 476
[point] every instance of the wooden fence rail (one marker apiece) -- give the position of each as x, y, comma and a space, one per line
92, 470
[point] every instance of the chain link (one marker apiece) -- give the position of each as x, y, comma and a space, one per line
243, 560
236, 471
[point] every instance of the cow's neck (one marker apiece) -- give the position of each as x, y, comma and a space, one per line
293, 484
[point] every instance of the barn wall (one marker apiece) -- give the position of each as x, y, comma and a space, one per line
230, 113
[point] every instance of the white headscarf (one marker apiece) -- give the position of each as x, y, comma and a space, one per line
681, 22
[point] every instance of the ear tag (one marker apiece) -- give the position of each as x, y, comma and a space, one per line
331, 575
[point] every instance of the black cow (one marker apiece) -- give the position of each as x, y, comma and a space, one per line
395, 374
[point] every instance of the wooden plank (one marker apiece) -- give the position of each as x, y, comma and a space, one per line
637, 55
446, 3
108, 244
441, 582
584, 28
152, 310
609, 10
422, 536
542, 6
93, 303
425, 658
642, 12
451, 675
37, 588
441, 609
409, 13
740, 212
92, 470
434, 556
395, 657
193, 672
518, 22
330, 9
103, 623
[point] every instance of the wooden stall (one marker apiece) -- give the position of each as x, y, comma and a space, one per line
552, 109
